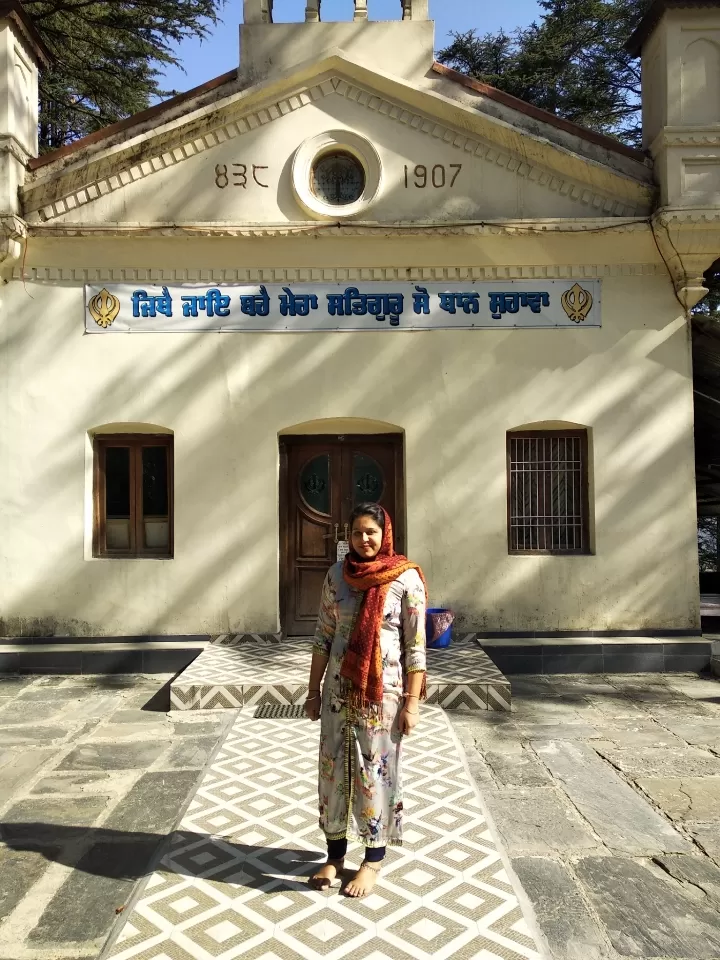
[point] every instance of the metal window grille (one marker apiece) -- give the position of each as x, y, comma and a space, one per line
548, 492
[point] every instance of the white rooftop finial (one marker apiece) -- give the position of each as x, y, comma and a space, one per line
260, 11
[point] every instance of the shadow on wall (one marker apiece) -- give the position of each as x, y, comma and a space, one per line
240, 379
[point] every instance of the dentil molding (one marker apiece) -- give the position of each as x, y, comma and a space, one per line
53, 274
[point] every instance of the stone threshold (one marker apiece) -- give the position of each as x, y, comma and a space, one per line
528, 654
599, 655
72, 656
505, 640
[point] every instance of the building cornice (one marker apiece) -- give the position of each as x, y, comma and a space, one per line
10, 144
13, 232
688, 239
508, 228
699, 136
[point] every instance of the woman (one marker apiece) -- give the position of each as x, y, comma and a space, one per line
370, 646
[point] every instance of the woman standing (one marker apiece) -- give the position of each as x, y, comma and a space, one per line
370, 646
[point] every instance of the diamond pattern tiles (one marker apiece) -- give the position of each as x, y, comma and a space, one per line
234, 879
259, 670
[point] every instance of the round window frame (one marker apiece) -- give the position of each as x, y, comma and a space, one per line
315, 149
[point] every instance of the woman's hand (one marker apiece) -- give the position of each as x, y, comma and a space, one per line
313, 704
408, 719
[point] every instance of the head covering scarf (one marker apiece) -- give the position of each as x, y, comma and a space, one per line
362, 663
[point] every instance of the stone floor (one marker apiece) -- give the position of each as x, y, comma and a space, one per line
94, 774
605, 792
591, 832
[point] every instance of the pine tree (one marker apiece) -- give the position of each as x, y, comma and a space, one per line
108, 58
572, 63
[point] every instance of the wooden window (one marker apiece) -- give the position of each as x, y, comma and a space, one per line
548, 492
133, 496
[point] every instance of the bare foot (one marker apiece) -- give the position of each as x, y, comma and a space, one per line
327, 873
363, 881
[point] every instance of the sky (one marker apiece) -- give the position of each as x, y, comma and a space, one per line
219, 53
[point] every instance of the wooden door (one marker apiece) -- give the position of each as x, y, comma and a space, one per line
322, 479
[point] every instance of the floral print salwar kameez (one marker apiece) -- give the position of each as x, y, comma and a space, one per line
360, 775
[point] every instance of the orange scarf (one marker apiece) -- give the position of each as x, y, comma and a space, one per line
362, 663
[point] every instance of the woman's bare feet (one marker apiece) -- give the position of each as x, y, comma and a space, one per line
325, 876
363, 881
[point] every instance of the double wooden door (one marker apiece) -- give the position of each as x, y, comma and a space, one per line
322, 479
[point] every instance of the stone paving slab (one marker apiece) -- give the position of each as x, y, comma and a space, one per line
539, 821
85, 906
701, 731
151, 805
599, 912
643, 762
20, 870
636, 732
619, 816
707, 835
686, 798
233, 882
79, 800
112, 756
569, 926
646, 915
15, 770
695, 871
518, 769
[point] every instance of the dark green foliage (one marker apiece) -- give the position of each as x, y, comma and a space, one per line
707, 544
572, 63
108, 58
709, 306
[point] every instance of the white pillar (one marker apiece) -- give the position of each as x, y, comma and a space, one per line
312, 11
21, 53
257, 11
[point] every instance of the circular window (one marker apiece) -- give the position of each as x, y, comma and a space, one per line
336, 174
338, 178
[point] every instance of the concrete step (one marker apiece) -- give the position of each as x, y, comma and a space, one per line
245, 670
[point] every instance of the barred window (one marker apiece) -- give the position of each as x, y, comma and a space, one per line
548, 492
133, 499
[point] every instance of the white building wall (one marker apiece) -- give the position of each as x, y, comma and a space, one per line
453, 393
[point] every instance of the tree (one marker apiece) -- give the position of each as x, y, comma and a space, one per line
108, 58
572, 63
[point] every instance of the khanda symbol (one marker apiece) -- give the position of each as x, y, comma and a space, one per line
576, 303
104, 307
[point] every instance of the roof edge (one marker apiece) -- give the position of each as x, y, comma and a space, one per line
13, 10
129, 122
537, 113
653, 15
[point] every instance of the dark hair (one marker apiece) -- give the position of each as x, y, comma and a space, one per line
373, 510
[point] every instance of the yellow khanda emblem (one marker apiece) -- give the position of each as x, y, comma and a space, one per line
576, 302
104, 307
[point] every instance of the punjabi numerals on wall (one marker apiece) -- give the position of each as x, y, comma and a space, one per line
419, 177
240, 175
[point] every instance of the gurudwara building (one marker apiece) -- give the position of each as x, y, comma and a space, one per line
343, 272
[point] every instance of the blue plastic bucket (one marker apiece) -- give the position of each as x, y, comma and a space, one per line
445, 637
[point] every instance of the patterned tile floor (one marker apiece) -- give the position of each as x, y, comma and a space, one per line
233, 882
250, 670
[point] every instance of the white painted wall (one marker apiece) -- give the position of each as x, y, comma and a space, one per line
454, 393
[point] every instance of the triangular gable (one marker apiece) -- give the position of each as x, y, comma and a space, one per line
69, 187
